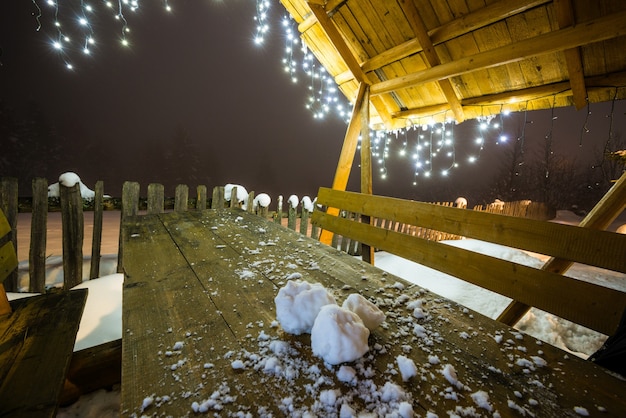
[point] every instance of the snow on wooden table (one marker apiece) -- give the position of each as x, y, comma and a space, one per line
200, 335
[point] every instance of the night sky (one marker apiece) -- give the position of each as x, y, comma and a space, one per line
195, 77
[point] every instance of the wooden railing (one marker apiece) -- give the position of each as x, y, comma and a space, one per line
596, 307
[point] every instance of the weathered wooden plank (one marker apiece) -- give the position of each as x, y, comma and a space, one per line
38, 236
598, 248
96, 241
156, 198
161, 302
130, 208
35, 350
73, 235
182, 198
201, 191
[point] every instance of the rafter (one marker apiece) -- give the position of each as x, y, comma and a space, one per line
421, 33
565, 18
593, 31
492, 13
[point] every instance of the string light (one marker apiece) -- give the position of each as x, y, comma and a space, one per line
74, 26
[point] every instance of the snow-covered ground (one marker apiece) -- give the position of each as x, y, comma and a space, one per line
101, 320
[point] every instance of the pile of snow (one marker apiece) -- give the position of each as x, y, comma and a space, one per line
70, 179
263, 200
338, 334
242, 193
293, 201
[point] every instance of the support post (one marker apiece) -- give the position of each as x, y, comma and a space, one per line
346, 158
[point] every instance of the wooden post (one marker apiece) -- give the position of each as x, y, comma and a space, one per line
604, 212
250, 202
156, 198
279, 210
346, 158
8, 204
217, 202
234, 201
38, 237
201, 202
367, 252
304, 221
291, 217
73, 233
182, 198
96, 241
130, 208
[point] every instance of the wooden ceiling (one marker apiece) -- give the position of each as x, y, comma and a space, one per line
435, 60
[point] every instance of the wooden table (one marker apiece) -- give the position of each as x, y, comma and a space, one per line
199, 331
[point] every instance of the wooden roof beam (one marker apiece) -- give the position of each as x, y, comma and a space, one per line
492, 13
344, 52
517, 96
597, 30
338, 42
565, 18
421, 33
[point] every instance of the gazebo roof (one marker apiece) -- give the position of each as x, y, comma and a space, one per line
432, 60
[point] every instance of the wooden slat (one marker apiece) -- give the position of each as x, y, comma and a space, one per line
597, 248
36, 343
73, 235
584, 303
594, 31
96, 240
38, 236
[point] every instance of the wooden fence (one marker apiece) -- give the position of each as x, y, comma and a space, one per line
72, 206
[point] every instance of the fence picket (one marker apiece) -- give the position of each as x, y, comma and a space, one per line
73, 232
38, 236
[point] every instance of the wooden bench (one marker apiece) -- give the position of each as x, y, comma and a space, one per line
587, 304
37, 336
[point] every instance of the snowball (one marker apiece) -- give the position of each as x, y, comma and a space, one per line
293, 201
262, 199
298, 303
338, 335
369, 313
407, 367
307, 204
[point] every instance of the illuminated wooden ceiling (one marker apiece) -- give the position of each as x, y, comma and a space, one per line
430, 60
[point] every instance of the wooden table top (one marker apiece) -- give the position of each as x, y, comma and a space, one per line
200, 334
